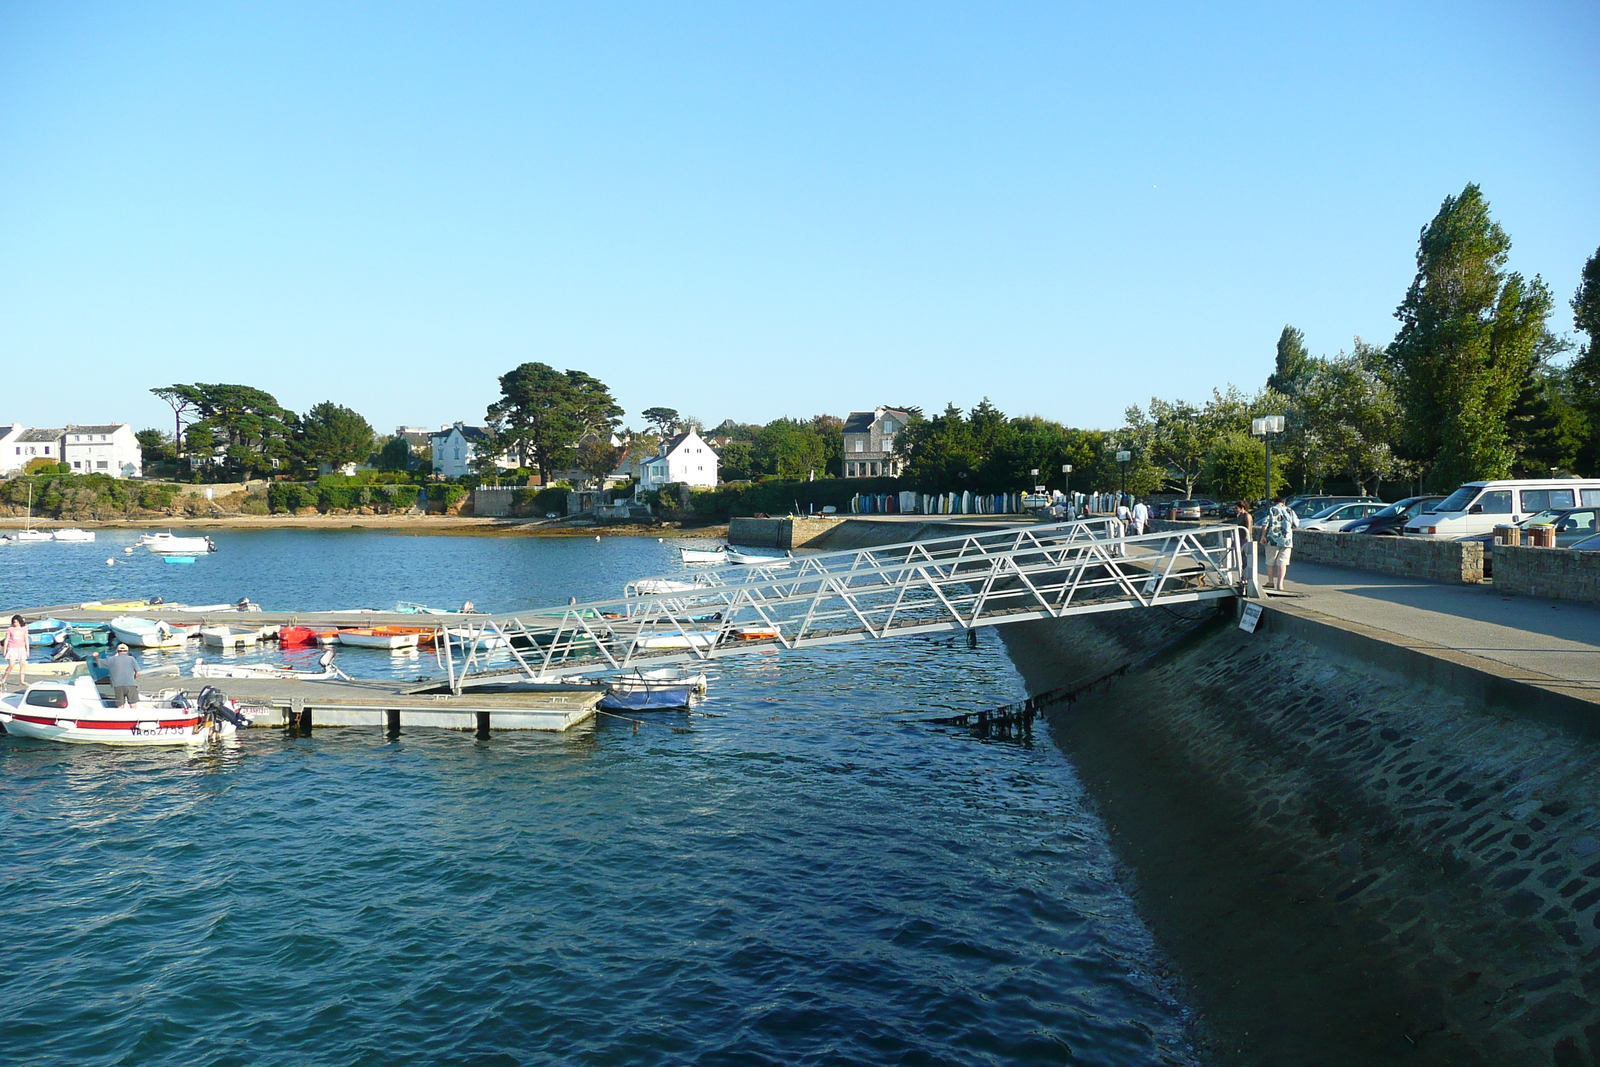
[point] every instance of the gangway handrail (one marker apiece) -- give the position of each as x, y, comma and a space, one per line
986, 578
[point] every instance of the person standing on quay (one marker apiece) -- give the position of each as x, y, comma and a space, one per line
1279, 526
16, 650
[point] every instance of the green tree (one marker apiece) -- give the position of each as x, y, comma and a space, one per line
1583, 377
182, 400
1236, 468
395, 455
248, 425
1467, 335
543, 413
940, 454
597, 457
154, 446
830, 428
665, 420
1293, 362
788, 448
333, 434
1347, 408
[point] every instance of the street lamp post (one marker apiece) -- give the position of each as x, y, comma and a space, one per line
1264, 428
1122, 460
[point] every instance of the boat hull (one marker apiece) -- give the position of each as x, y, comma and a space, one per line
372, 640
647, 699
136, 726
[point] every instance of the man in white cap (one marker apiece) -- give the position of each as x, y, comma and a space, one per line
124, 676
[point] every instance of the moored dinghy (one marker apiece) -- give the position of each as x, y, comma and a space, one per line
148, 633
47, 632
703, 555
72, 533
755, 559
230, 636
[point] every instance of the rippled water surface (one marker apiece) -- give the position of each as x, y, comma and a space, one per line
804, 871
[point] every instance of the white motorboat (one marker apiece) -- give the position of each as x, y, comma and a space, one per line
74, 712
230, 636
72, 533
170, 545
638, 680
703, 555
27, 536
148, 633
754, 559
322, 672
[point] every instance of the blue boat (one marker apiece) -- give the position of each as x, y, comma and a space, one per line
663, 699
48, 632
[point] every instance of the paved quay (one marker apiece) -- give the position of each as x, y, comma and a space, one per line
1552, 644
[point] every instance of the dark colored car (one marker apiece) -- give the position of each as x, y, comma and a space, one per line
1392, 519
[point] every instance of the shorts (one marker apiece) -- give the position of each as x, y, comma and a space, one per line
125, 694
1278, 555
17, 655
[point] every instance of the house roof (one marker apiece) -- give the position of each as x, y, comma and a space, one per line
40, 435
109, 429
861, 421
471, 433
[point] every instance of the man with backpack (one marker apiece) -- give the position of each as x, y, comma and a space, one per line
1278, 533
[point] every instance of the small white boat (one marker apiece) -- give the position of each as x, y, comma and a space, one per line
659, 586
230, 636
691, 639
369, 638
753, 559
465, 637
170, 545
703, 555
27, 536
72, 533
643, 681
323, 671
75, 713
148, 633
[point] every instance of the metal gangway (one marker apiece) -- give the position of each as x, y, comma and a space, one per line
985, 578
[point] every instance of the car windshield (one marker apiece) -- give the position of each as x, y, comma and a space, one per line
1543, 518
1457, 501
1396, 508
1327, 512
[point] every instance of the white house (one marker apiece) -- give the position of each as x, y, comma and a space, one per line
684, 460
111, 449
30, 445
10, 456
454, 448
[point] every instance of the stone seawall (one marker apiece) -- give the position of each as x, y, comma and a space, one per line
786, 532
1350, 866
1558, 573
1411, 557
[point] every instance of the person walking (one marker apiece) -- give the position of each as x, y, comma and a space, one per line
1141, 517
124, 677
1279, 525
1241, 517
16, 647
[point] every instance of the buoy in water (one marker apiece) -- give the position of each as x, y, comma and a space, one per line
597, 537
128, 551
111, 563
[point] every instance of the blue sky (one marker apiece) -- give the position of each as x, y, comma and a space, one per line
752, 210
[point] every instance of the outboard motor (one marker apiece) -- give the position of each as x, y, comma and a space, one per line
65, 653
214, 704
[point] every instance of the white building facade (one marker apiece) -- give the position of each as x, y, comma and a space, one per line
454, 448
29, 445
111, 449
683, 460
10, 453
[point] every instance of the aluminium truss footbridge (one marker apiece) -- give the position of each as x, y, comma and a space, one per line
986, 578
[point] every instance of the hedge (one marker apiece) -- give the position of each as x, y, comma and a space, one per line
775, 497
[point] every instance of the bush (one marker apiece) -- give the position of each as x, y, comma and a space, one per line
401, 497
775, 497
450, 495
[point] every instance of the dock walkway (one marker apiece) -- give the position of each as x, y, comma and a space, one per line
1551, 645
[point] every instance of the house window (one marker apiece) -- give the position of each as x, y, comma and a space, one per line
75, 463
102, 466
861, 446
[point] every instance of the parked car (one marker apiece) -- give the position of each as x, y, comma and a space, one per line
1335, 516
1306, 506
1573, 526
1588, 544
1195, 509
1392, 519
1478, 507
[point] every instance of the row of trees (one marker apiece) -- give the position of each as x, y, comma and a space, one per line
1472, 386
240, 430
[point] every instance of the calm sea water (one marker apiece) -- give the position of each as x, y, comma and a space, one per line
802, 872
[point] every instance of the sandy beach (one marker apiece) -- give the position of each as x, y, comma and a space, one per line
458, 525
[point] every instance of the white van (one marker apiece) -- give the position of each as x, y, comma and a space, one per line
1478, 507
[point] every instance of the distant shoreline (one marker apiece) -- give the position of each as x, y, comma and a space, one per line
467, 526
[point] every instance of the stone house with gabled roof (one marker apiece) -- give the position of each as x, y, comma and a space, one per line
869, 438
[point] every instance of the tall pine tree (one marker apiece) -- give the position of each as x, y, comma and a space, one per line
1468, 330
1584, 374
1293, 362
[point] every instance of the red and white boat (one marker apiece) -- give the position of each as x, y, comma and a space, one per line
74, 712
